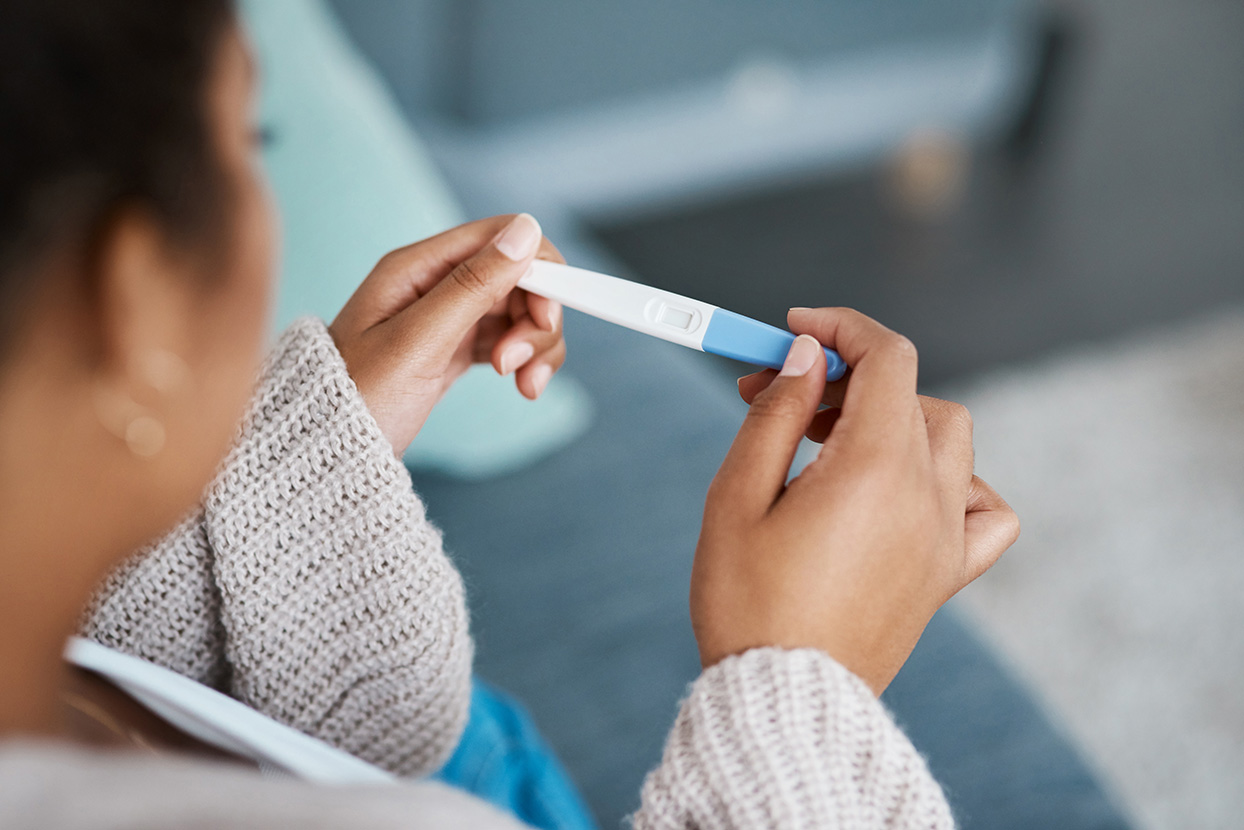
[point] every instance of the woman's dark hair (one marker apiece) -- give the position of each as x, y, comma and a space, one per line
102, 103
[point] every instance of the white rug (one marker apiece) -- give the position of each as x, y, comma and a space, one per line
1123, 601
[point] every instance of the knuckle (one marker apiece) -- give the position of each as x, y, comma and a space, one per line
902, 348
948, 418
390, 261
555, 356
1011, 519
470, 278
961, 416
771, 404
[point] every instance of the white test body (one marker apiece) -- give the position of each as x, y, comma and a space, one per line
669, 316
624, 303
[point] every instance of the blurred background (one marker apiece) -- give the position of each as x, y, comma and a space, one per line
1048, 198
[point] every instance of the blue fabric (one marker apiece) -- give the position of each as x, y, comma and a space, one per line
502, 759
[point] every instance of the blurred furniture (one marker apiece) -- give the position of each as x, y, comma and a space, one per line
606, 110
353, 183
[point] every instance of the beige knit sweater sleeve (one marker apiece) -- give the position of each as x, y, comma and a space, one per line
310, 585
789, 739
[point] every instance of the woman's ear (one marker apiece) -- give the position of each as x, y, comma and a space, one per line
144, 293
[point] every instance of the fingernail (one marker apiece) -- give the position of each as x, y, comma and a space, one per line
553, 314
801, 356
799, 308
540, 377
516, 356
520, 238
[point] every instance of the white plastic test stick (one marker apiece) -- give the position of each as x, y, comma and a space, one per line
691, 323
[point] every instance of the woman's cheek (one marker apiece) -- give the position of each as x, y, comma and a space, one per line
238, 320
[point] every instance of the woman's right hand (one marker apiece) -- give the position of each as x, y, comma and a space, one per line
857, 552
429, 310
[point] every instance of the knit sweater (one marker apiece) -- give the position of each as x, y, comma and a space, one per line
311, 586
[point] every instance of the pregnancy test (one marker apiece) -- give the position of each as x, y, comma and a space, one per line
691, 323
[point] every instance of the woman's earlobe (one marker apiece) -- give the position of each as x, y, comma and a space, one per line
141, 427
138, 427
164, 371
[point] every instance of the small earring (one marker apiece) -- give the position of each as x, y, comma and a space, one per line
124, 418
141, 430
145, 436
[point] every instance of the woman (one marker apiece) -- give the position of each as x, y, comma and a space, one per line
291, 565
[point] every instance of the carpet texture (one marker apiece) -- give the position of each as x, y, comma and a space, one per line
1123, 601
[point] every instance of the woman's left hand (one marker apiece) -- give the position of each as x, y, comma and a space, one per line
431, 309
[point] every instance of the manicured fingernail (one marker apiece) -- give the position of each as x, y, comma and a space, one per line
540, 377
799, 308
552, 315
516, 356
801, 356
520, 238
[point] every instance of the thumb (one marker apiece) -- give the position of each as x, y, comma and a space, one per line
474, 286
755, 469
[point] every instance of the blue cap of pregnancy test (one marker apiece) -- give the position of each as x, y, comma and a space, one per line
751, 341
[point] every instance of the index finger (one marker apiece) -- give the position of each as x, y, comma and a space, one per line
546, 313
406, 274
882, 386
752, 385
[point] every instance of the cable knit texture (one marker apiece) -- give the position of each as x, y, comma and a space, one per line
311, 586
788, 739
